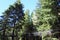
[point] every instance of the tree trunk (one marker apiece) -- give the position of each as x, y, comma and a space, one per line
13, 35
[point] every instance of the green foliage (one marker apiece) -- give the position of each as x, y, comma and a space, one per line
14, 21
28, 24
46, 14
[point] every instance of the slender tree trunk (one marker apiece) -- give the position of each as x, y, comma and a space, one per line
13, 35
3, 36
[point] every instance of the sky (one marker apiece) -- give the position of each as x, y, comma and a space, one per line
28, 4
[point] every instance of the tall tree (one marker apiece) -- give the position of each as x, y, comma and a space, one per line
15, 15
46, 14
27, 20
28, 27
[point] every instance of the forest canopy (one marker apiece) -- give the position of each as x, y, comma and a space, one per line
42, 24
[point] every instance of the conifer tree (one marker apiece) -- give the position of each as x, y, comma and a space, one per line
46, 13
14, 15
28, 26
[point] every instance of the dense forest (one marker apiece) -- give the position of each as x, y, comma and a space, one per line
42, 24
